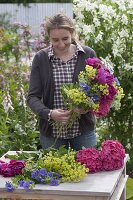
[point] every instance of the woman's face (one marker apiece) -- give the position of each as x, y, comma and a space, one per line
61, 40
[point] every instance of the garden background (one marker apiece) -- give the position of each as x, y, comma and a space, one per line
104, 25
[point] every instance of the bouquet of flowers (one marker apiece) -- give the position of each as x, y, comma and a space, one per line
49, 166
97, 90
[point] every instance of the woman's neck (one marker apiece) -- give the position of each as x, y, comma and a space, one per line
67, 55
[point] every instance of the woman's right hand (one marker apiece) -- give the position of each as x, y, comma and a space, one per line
60, 115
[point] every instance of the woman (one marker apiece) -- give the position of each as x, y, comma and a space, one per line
60, 63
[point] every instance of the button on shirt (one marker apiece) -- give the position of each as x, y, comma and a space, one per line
63, 73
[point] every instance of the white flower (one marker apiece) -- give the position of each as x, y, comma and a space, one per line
129, 96
124, 19
128, 67
128, 146
88, 29
7, 103
21, 97
107, 62
103, 10
99, 37
96, 22
123, 33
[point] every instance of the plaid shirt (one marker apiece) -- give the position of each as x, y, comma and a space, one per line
63, 73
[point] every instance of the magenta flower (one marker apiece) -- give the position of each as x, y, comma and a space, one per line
112, 155
112, 93
101, 76
94, 62
14, 167
104, 107
90, 157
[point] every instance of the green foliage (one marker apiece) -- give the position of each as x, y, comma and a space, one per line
106, 27
18, 126
129, 189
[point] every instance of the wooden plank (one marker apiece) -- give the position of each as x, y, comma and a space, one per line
27, 196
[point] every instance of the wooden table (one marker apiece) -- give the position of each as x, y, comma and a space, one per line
98, 186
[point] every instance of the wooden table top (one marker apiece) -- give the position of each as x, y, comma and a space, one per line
97, 184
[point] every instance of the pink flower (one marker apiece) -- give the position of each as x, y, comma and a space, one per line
112, 155
112, 93
90, 157
103, 108
104, 76
94, 62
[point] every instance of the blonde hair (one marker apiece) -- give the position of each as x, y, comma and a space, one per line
60, 21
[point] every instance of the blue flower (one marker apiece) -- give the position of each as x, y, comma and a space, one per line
95, 97
54, 182
21, 182
43, 172
9, 187
35, 173
85, 88
39, 179
50, 174
26, 185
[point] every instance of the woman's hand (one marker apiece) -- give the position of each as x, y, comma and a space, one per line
60, 115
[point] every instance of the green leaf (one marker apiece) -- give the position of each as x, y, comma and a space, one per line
129, 189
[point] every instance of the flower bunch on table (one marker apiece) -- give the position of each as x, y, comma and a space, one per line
54, 166
109, 157
47, 167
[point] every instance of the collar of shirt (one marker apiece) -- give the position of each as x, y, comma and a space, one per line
51, 51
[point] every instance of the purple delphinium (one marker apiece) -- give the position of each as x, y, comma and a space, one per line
21, 182
54, 182
9, 187
26, 185
50, 174
35, 173
43, 172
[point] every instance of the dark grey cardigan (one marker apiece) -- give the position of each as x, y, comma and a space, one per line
41, 89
